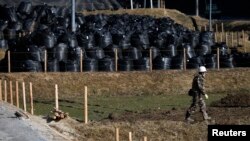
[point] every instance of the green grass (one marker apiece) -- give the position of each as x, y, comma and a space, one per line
101, 106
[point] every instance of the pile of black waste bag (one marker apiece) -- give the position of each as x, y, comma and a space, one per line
26, 31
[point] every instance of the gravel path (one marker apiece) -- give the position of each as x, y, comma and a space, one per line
34, 128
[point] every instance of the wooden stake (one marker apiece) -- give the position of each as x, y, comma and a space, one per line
1, 95
9, 62
5, 91
205, 27
31, 100
56, 97
222, 27
116, 60
17, 95
237, 38
11, 94
86, 105
117, 134
145, 138
24, 98
243, 40
130, 136
216, 28
218, 58
215, 37
232, 38
221, 37
184, 59
45, 61
226, 38
150, 59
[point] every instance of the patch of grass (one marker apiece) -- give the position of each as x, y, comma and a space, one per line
101, 106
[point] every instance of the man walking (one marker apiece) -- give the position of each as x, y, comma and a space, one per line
197, 92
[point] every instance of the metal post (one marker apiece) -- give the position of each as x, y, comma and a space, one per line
45, 61
73, 25
81, 57
150, 58
210, 16
145, 3
9, 69
184, 59
116, 60
197, 7
218, 58
151, 4
159, 3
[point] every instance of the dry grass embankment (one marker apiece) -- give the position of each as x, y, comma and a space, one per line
132, 83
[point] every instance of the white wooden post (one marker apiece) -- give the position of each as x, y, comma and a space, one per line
31, 100
151, 4
11, 94
17, 95
56, 97
24, 98
5, 91
131, 4
117, 138
130, 136
86, 105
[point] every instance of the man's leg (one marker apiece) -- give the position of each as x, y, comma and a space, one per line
191, 109
203, 108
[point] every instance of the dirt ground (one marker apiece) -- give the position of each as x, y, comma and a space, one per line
158, 125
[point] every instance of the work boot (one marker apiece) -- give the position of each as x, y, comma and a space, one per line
206, 117
189, 119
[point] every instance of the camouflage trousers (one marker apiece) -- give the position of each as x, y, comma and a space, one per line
197, 101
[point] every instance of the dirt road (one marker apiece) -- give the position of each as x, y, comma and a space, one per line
13, 128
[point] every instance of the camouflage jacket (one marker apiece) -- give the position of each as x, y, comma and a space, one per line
198, 84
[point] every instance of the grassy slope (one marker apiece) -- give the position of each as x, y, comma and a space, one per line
125, 91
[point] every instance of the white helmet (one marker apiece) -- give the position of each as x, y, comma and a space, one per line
202, 69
